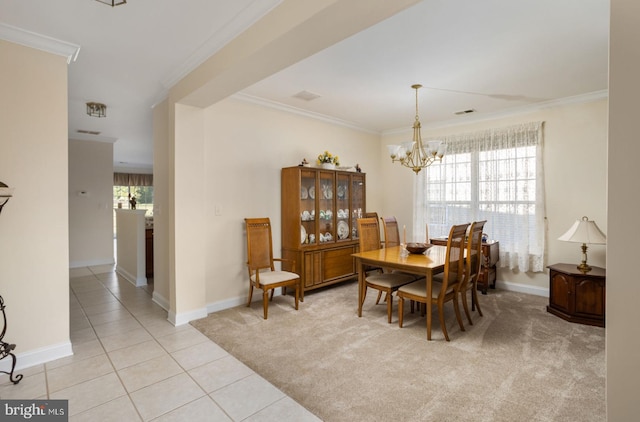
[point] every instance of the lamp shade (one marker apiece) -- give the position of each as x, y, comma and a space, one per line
584, 231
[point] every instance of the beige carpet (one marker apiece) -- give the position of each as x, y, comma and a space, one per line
517, 363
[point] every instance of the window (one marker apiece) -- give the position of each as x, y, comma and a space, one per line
493, 175
143, 195
127, 185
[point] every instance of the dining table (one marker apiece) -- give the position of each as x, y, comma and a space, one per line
397, 258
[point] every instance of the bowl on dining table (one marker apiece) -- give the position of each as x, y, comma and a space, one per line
417, 248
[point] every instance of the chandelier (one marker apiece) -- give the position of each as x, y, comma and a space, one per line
414, 154
113, 2
96, 110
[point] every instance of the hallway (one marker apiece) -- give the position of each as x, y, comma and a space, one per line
131, 364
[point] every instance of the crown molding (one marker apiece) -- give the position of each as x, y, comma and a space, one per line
463, 120
40, 42
514, 111
290, 109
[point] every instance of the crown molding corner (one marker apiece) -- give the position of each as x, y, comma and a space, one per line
40, 42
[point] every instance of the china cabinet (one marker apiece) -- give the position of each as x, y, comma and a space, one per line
320, 209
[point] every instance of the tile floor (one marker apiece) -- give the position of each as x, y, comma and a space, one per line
131, 364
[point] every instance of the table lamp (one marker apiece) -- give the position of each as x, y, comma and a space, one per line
584, 231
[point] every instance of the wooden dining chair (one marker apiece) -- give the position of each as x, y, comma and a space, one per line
473, 266
443, 292
370, 268
392, 238
384, 282
260, 262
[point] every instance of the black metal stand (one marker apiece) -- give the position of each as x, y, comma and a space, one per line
6, 348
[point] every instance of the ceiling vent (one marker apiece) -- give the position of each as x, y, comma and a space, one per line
459, 113
306, 95
89, 132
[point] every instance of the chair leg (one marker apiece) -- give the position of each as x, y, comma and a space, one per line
297, 296
389, 306
463, 295
265, 301
442, 324
250, 294
379, 296
456, 307
272, 290
400, 310
474, 300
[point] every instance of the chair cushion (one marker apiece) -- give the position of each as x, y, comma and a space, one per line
272, 277
419, 288
389, 280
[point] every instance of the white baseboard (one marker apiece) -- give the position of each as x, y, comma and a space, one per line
37, 356
186, 317
226, 304
523, 288
136, 281
160, 300
237, 301
91, 263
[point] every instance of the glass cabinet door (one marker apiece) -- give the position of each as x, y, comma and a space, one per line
357, 202
343, 228
308, 233
326, 212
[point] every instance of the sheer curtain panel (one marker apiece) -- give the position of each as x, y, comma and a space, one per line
494, 175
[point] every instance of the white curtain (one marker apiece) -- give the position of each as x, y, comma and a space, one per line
494, 175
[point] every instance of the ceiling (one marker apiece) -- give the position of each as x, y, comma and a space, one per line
492, 56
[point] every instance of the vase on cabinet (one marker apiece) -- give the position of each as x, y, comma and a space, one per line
328, 166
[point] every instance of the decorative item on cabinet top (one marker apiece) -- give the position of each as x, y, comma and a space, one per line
328, 160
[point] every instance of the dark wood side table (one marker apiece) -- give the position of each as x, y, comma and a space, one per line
491, 255
148, 249
576, 296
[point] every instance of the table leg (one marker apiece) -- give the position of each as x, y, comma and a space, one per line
360, 285
429, 290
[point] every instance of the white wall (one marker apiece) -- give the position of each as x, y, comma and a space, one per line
34, 229
189, 254
91, 213
575, 151
131, 245
623, 289
270, 45
246, 145
161, 291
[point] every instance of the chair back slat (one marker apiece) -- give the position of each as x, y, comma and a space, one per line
474, 250
369, 232
391, 232
259, 246
454, 259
